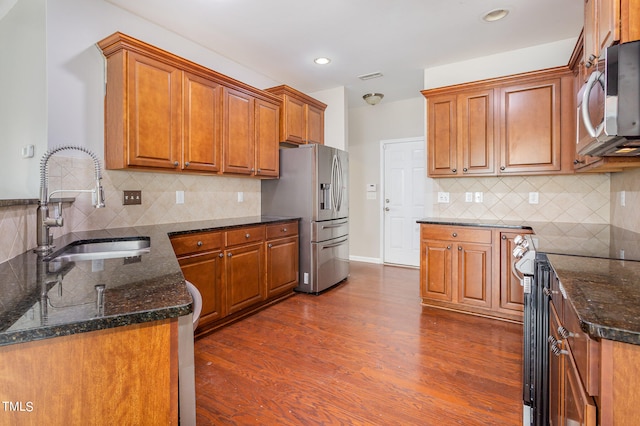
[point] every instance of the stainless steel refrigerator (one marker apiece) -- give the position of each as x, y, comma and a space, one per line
313, 185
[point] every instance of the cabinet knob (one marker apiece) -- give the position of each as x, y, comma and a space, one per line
576, 162
221, 255
557, 351
229, 254
253, 169
247, 235
455, 234
176, 164
199, 243
186, 164
454, 170
448, 247
504, 237
459, 248
502, 168
465, 170
269, 245
259, 170
284, 229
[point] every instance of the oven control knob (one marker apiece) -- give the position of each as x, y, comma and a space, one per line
519, 251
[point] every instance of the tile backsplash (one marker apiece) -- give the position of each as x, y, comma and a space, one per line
626, 216
205, 197
576, 198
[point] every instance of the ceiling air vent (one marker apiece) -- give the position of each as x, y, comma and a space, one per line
370, 76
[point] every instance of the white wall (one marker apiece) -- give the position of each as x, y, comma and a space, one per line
514, 62
23, 96
335, 116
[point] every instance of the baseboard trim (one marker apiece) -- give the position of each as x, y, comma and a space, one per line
376, 260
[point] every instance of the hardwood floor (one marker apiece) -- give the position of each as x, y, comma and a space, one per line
362, 353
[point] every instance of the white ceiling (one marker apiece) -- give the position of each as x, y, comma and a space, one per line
399, 38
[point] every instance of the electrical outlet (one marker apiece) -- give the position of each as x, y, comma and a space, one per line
479, 196
468, 197
240, 197
131, 198
179, 197
623, 198
443, 197
533, 198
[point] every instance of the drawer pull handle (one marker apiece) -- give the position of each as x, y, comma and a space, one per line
176, 164
186, 164
284, 229
454, 235
199, 243
454, 170
247, 235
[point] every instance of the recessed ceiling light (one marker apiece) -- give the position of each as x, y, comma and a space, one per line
495, 15
322, 61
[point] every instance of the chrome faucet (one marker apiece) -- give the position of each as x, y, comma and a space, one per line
44, 222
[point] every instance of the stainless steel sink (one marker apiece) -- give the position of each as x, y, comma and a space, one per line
108, 248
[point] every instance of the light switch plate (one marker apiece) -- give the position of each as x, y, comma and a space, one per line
533, 198
131, 198
443, 197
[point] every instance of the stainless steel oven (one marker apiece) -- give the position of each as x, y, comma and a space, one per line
535, 273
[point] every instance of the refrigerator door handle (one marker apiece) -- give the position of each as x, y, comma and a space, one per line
334, 178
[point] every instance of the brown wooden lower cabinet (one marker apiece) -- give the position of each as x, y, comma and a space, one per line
240, 270
468, 269
123, 375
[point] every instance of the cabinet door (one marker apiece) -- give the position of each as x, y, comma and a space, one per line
238, 132
442, 136
579, 407
530, 127
205, 272
476, 132
315, 125
293, 125
244, 276
435, 270
511, 290
608, 19
474, 274
154, 98
590, 34
267, 122
282, 265
202, 124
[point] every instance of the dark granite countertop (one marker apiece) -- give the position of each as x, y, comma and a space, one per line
40, 300
604, 293
487, 223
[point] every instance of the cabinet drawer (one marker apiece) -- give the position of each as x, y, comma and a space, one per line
245, 235
282, 230
455, 233
196, 243
585, 350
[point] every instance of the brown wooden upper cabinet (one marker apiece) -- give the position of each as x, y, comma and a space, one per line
302, 117
517, 125
163, 112
607, 22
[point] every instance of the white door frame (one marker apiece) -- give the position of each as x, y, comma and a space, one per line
381, 191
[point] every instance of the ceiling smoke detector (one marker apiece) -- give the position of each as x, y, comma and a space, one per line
373, 98
370, 76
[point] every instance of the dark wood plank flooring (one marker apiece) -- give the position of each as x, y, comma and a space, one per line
362, 353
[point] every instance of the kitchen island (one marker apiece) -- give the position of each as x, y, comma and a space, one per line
96, 341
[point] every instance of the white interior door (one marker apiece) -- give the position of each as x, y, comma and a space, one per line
403, 200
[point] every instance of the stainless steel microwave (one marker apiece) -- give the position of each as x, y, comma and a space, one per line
609, 105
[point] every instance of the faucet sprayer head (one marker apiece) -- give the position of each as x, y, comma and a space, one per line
98, 195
